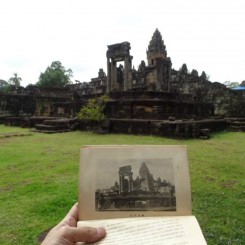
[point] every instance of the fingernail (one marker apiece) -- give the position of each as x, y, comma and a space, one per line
101, 231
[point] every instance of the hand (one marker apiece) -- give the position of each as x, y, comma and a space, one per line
67, 232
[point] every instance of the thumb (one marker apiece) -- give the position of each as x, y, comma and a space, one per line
85, 234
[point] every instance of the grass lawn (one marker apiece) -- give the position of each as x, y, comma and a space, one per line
39, 179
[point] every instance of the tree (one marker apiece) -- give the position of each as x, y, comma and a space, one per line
94, 110
230, 84
15, 80
3, 84
4, 87
55, 76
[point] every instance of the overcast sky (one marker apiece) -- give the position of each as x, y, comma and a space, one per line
206, 35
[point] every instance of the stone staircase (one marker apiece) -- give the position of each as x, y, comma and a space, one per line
237, 124
56, 125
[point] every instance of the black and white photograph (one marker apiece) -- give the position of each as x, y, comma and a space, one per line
135, 185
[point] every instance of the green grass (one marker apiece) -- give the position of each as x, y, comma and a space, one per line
39, 179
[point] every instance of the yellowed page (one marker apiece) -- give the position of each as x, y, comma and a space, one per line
133, 181
181, 230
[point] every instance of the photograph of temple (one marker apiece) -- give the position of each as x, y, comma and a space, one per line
145, 192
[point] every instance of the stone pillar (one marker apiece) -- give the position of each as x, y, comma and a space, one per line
112, 75
127, 73
108, 85
125, 85
115, 86
130, 74
120, 183
130, 182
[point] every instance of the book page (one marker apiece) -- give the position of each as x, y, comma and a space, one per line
133, 181
179, 230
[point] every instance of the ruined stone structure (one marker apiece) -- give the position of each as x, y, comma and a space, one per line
119, 79
144, 182
153, 77
147, 180
138, 193
153, 99
158, 72
125, 179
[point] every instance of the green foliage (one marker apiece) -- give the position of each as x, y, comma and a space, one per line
3, 84
55, 76
15, 80
4, 87
11, 85
94, 110
230, 84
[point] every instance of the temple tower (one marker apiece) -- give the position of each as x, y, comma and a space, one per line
146, 177
157, 58
156, 49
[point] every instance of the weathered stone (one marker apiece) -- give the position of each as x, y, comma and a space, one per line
154, 99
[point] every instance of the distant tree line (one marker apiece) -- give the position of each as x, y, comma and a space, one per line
230, 84
55, 75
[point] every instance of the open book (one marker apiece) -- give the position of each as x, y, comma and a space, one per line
140, 194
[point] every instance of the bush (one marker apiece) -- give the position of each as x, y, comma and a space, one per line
94, 110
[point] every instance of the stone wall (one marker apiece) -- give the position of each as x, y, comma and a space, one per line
37, 102
227, 103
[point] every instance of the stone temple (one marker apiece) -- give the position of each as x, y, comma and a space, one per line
152, 99
143, 192
153, 77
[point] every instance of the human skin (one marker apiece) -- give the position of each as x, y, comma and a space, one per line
67, 232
